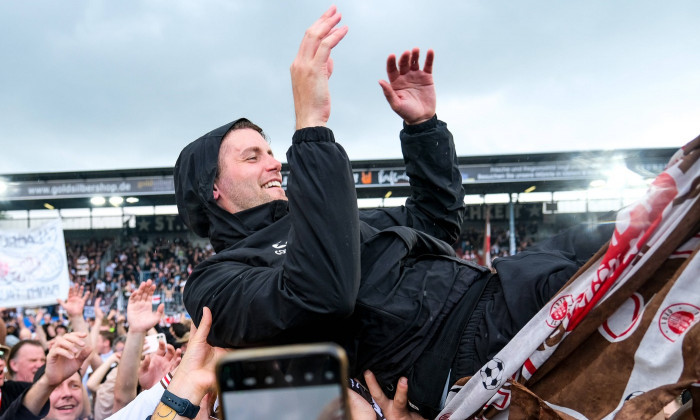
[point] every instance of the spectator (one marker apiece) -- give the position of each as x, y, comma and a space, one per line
63, 361
69, 400
9, 390
26, 357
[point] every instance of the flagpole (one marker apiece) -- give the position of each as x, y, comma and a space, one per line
487, 237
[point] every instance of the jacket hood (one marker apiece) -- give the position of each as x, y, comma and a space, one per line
194, 175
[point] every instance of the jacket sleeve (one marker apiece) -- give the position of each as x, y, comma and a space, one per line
16, 410
436, 204
319, 278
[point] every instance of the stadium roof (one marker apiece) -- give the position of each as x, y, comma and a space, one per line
543, 172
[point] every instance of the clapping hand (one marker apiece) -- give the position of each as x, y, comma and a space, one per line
410, 91
312, 68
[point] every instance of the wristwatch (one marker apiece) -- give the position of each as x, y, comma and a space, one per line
181, 406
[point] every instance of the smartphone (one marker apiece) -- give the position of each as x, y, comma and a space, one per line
304, 382
151, 343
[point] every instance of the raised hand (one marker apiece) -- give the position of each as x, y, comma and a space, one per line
65, 357
75, 303
154, 366
195, 376
410, 91
312, 68
139, 311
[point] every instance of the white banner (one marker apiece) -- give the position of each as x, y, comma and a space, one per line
33, 266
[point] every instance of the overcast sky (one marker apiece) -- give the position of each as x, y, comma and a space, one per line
88, 85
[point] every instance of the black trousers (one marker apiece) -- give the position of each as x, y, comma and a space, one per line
524, 283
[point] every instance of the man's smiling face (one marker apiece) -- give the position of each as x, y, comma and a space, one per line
67, 400
249, 175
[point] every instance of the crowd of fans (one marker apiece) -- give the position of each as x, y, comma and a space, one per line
121, 291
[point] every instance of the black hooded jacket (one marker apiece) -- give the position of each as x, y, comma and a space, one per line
379, 282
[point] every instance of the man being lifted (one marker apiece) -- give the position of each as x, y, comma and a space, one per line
306, 265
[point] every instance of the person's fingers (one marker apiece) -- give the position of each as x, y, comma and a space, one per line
97, 302
404, 62
79, 334
162, 350
193, 329
74, 339
389, 93
170, 351
323, 52
375, 390
415, 59
391, 71
160, 310
67, 346
202, 332
316, 32
429, 57
175, 363
63, 352
401, 395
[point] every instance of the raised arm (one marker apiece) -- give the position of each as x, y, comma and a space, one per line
95, 360
312, 68
74, 306
141, 318
436, 203
98, 374
317, 279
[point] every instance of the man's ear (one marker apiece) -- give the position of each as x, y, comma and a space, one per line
216, 191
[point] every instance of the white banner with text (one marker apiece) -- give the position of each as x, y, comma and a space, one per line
33, 266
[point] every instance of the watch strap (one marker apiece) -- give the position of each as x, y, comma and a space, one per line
181, 406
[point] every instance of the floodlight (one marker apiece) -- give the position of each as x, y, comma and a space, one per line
116, 200
98, 200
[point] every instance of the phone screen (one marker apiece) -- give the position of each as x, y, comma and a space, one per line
298, 387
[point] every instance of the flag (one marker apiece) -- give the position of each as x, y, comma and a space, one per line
487, 238
621, 338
